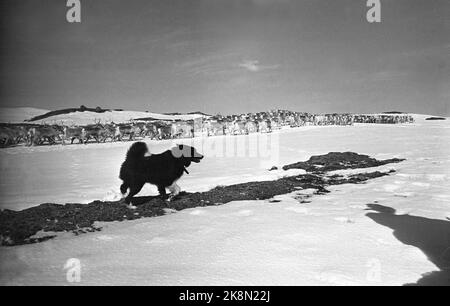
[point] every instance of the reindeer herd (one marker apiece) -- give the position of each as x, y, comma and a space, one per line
264, 122
40, 134
383, 119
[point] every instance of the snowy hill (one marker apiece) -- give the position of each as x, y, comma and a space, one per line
16, 115
83, 118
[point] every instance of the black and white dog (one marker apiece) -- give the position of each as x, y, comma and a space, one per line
162, 170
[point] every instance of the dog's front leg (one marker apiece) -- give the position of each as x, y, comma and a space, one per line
162, 192
174, 190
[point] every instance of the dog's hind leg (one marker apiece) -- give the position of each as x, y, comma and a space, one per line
134, 190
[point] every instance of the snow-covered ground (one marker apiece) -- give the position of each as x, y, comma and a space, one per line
329, 241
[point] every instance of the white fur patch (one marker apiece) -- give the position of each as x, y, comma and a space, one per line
174, 189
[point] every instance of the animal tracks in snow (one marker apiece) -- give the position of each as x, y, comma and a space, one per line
344, 220
298, 209
244, 213
197, 212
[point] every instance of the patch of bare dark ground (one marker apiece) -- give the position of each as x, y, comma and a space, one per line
340, 161
19, 227
435, 118
430, 235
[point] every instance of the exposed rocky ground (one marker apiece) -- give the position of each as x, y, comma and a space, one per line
435, 118
19, 227
340, 161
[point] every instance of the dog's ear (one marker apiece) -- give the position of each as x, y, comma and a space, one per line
177, 151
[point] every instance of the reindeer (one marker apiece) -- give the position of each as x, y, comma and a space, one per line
141, 129
215, 128
95, 131
12, 134
164, 130
151, 130
264, 126
238, 128
6, 135
251, 126
73, 133
125, 129
22, 134
182, 130
38, 135
111, 131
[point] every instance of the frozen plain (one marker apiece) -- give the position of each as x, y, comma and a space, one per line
329, 241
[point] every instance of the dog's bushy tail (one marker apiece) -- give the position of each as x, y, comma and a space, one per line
135, 154
124, 188
137, 151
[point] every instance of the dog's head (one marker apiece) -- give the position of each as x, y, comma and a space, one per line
187, 154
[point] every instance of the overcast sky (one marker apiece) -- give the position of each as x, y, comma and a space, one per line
227, 56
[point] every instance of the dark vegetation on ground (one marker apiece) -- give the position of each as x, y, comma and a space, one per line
18, 227
339, 161
429, 235
82, 108
435, 118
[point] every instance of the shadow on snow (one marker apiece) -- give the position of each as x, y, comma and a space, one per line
429, 235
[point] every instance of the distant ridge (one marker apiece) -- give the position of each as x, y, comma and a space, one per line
84, 115
394, 112
82, 108
190, 113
